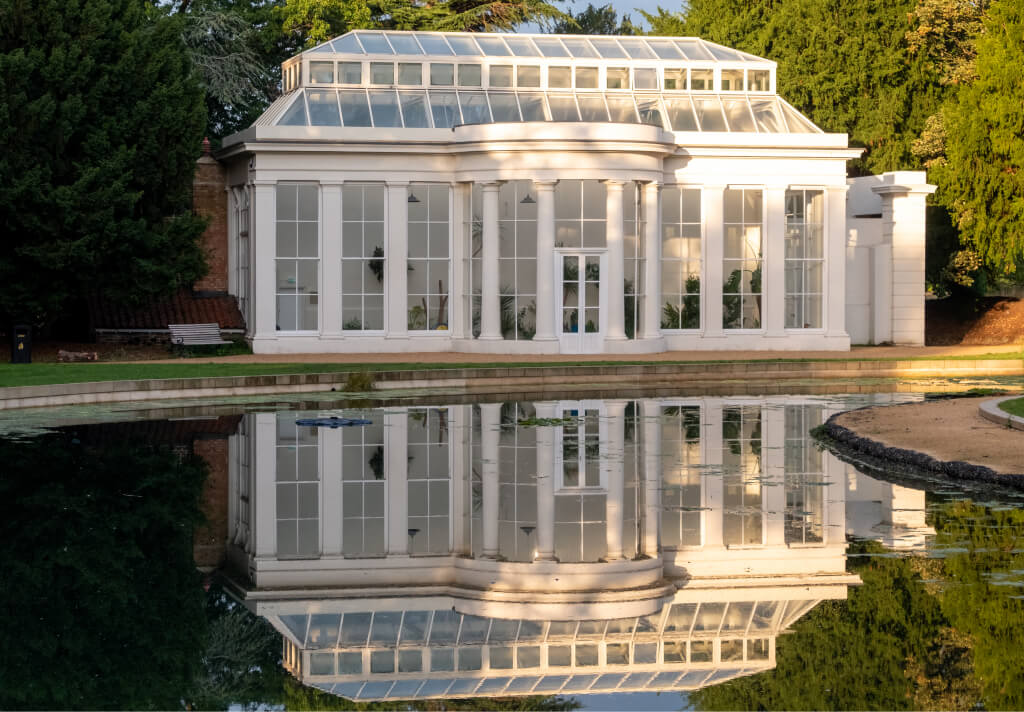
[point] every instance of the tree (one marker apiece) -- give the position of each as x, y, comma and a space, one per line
101, 119
595, 21
981, 179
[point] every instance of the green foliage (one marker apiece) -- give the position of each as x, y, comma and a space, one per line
104, 605
593, 20
101, 119
981, 179
360, 381
1014, 407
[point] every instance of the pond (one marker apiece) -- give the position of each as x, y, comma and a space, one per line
654, 552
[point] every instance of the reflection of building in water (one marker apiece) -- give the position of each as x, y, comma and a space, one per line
524, 548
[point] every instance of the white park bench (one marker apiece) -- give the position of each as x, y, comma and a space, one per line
196, 335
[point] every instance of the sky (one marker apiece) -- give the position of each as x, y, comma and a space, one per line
623, 7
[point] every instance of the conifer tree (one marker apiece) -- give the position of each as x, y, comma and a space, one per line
101, 120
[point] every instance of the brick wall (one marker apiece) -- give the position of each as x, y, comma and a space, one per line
209, 543
210, 201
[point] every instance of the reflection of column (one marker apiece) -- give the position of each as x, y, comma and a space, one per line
545, 484
714, 483
833, 528
774, 270
545, 250
614, 460
396, 449
459, 420
263, 513
490, 431
263, 249
490, 303
652, 477
616, 262
397, 260
330, 263
712, 208
773, 447
331, 476
652, 256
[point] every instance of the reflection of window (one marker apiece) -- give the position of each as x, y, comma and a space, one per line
804, 476
297, 490
517, 259
363, 490
805, 263
580, 530
297, 263
743, 518
741, 293
680, 258
517, 458
681, 476
428, 257
429, 475
362, 257
581, 450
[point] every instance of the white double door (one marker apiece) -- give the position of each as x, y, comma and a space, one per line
581, 318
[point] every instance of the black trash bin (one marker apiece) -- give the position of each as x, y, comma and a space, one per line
21, 344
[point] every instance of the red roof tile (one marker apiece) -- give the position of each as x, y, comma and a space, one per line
185, 307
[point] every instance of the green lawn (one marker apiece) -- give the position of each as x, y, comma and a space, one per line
1014, 407
38, 374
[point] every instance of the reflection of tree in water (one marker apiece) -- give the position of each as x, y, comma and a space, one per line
940, 633
103, 606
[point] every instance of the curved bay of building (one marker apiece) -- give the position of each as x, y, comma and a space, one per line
575, 546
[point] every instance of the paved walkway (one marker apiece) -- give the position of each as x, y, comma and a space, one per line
856, 353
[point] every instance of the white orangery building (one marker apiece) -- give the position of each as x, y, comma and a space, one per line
559, 194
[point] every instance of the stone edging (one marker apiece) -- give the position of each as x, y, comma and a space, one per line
879, 455
990, 410
483, 380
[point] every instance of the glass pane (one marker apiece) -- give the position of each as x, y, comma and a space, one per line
617, 78
665, 49
767, 116
493, 46
355, 111
464, 46
738, 115
550, 47
608, 48
347, 45
323, 108
563, 108
504, 107
522, 47
469, 75
374, 43
404, 44
434, 44
385, 109
321, 72
732, 80
637, 48
532, 107
592, 107
500, 75
414, 109
382, 73
579, 48
702, 80
622, 109
528, 77
442, 75
410, 74
474, 108
296, 114
675, 80
350, 72
650, 111
645, 78
560, 77
797, 122
586, 77
444, 107
758, 79
680, 114
709, 114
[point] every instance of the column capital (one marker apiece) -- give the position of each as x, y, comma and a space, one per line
708, 186
545, 184
653, 185
331, 182
397, 183
614, 184
490, 185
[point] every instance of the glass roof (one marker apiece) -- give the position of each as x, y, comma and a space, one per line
473, 44
446, 108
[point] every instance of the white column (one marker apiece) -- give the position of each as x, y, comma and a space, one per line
490, 431
773, 448
263, 505
457, 297
490, 303
835, 261
396, 460
331, 477
263, 249
231, 197
330, 260
545, 484
613, 460
396, 261
774, 262
712, 211
652, 477
652, 256
714, 485
545, 252
615, 268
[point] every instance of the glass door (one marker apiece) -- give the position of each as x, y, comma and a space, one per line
580, 306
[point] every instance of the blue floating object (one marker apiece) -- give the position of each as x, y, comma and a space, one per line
332, 422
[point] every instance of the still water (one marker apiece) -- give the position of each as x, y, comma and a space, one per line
648, 553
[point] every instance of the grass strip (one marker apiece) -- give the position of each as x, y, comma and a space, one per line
39, 374
1014, 407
